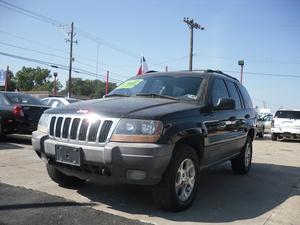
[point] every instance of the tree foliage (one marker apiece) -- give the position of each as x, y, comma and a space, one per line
90, 88
35, 79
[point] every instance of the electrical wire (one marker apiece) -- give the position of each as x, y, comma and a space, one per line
60, 66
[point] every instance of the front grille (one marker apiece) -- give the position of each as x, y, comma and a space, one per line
80, 129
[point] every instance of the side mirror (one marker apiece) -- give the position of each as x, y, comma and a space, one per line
225, 104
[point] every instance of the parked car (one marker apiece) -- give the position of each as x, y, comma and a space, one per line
19, 113
58, 101
260, 126
286, 124
158, 129
267, 122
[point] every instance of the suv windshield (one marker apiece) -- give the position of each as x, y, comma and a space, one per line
288, 114
156, 86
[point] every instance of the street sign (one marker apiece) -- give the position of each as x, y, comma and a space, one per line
2, 77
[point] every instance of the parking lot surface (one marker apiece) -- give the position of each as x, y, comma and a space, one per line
268, 195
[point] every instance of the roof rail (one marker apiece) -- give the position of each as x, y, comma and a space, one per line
220, 72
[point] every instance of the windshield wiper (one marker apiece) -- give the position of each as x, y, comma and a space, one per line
116, 95
154, 95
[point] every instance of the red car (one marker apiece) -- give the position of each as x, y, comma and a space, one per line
19, 113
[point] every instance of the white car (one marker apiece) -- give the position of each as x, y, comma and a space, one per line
58, 102
286, 124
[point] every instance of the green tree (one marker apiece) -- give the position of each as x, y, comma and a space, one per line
34, 79
89, 88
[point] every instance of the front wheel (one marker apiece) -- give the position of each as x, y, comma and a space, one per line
242, 163
179, 186
2, 134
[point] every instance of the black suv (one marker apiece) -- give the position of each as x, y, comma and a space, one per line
158, 129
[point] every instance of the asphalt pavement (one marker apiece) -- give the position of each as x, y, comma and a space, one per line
19, 205
268, 195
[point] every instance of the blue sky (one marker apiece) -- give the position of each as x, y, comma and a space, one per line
265, 33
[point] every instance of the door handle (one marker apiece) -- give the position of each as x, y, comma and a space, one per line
247, 116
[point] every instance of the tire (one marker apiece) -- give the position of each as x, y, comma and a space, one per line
62, 179
261, 134
2, 135
242, 163
274, 137
165, 193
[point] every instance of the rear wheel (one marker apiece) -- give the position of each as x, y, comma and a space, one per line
62, 179
274, 137
179, 186
242, 163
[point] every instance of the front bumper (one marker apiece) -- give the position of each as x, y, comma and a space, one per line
139, 163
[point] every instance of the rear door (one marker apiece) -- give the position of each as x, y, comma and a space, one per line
220, 125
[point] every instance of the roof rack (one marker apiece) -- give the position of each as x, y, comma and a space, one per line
220, 72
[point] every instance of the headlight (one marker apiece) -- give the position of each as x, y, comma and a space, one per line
131, 130
44, 123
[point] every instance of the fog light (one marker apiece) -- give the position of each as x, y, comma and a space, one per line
135, 174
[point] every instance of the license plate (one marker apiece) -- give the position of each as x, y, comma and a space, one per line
68, 155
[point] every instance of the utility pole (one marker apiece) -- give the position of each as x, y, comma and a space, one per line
55, 75
191, 24
71, 57
241, 63
106, 84
6, 78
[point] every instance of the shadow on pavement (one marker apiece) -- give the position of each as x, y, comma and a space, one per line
12, 142
222, 196
43, 205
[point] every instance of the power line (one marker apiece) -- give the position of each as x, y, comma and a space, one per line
59, 66
29, 13
31, 50
265, 74
247, 59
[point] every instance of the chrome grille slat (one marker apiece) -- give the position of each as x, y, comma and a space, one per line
78, 129
74, 128
104, 130
62, 126
81, 129
93, 131
58, 127
66, 126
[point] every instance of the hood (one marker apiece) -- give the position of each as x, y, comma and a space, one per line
123, 107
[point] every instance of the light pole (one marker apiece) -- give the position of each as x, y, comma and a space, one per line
191, 24
241, 63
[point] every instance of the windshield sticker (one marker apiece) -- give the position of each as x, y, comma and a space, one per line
130, 84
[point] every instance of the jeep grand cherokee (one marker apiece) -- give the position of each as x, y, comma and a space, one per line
158, 129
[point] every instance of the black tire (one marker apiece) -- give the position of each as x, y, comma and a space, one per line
239, 164
165, 192
62, 179
261, 134
274, 137
2, 134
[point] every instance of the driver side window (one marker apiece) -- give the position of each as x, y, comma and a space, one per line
219, 90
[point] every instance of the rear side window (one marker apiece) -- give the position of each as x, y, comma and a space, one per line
219, 91
16, 98
246, 97
3, 101
233, 92
287, 114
